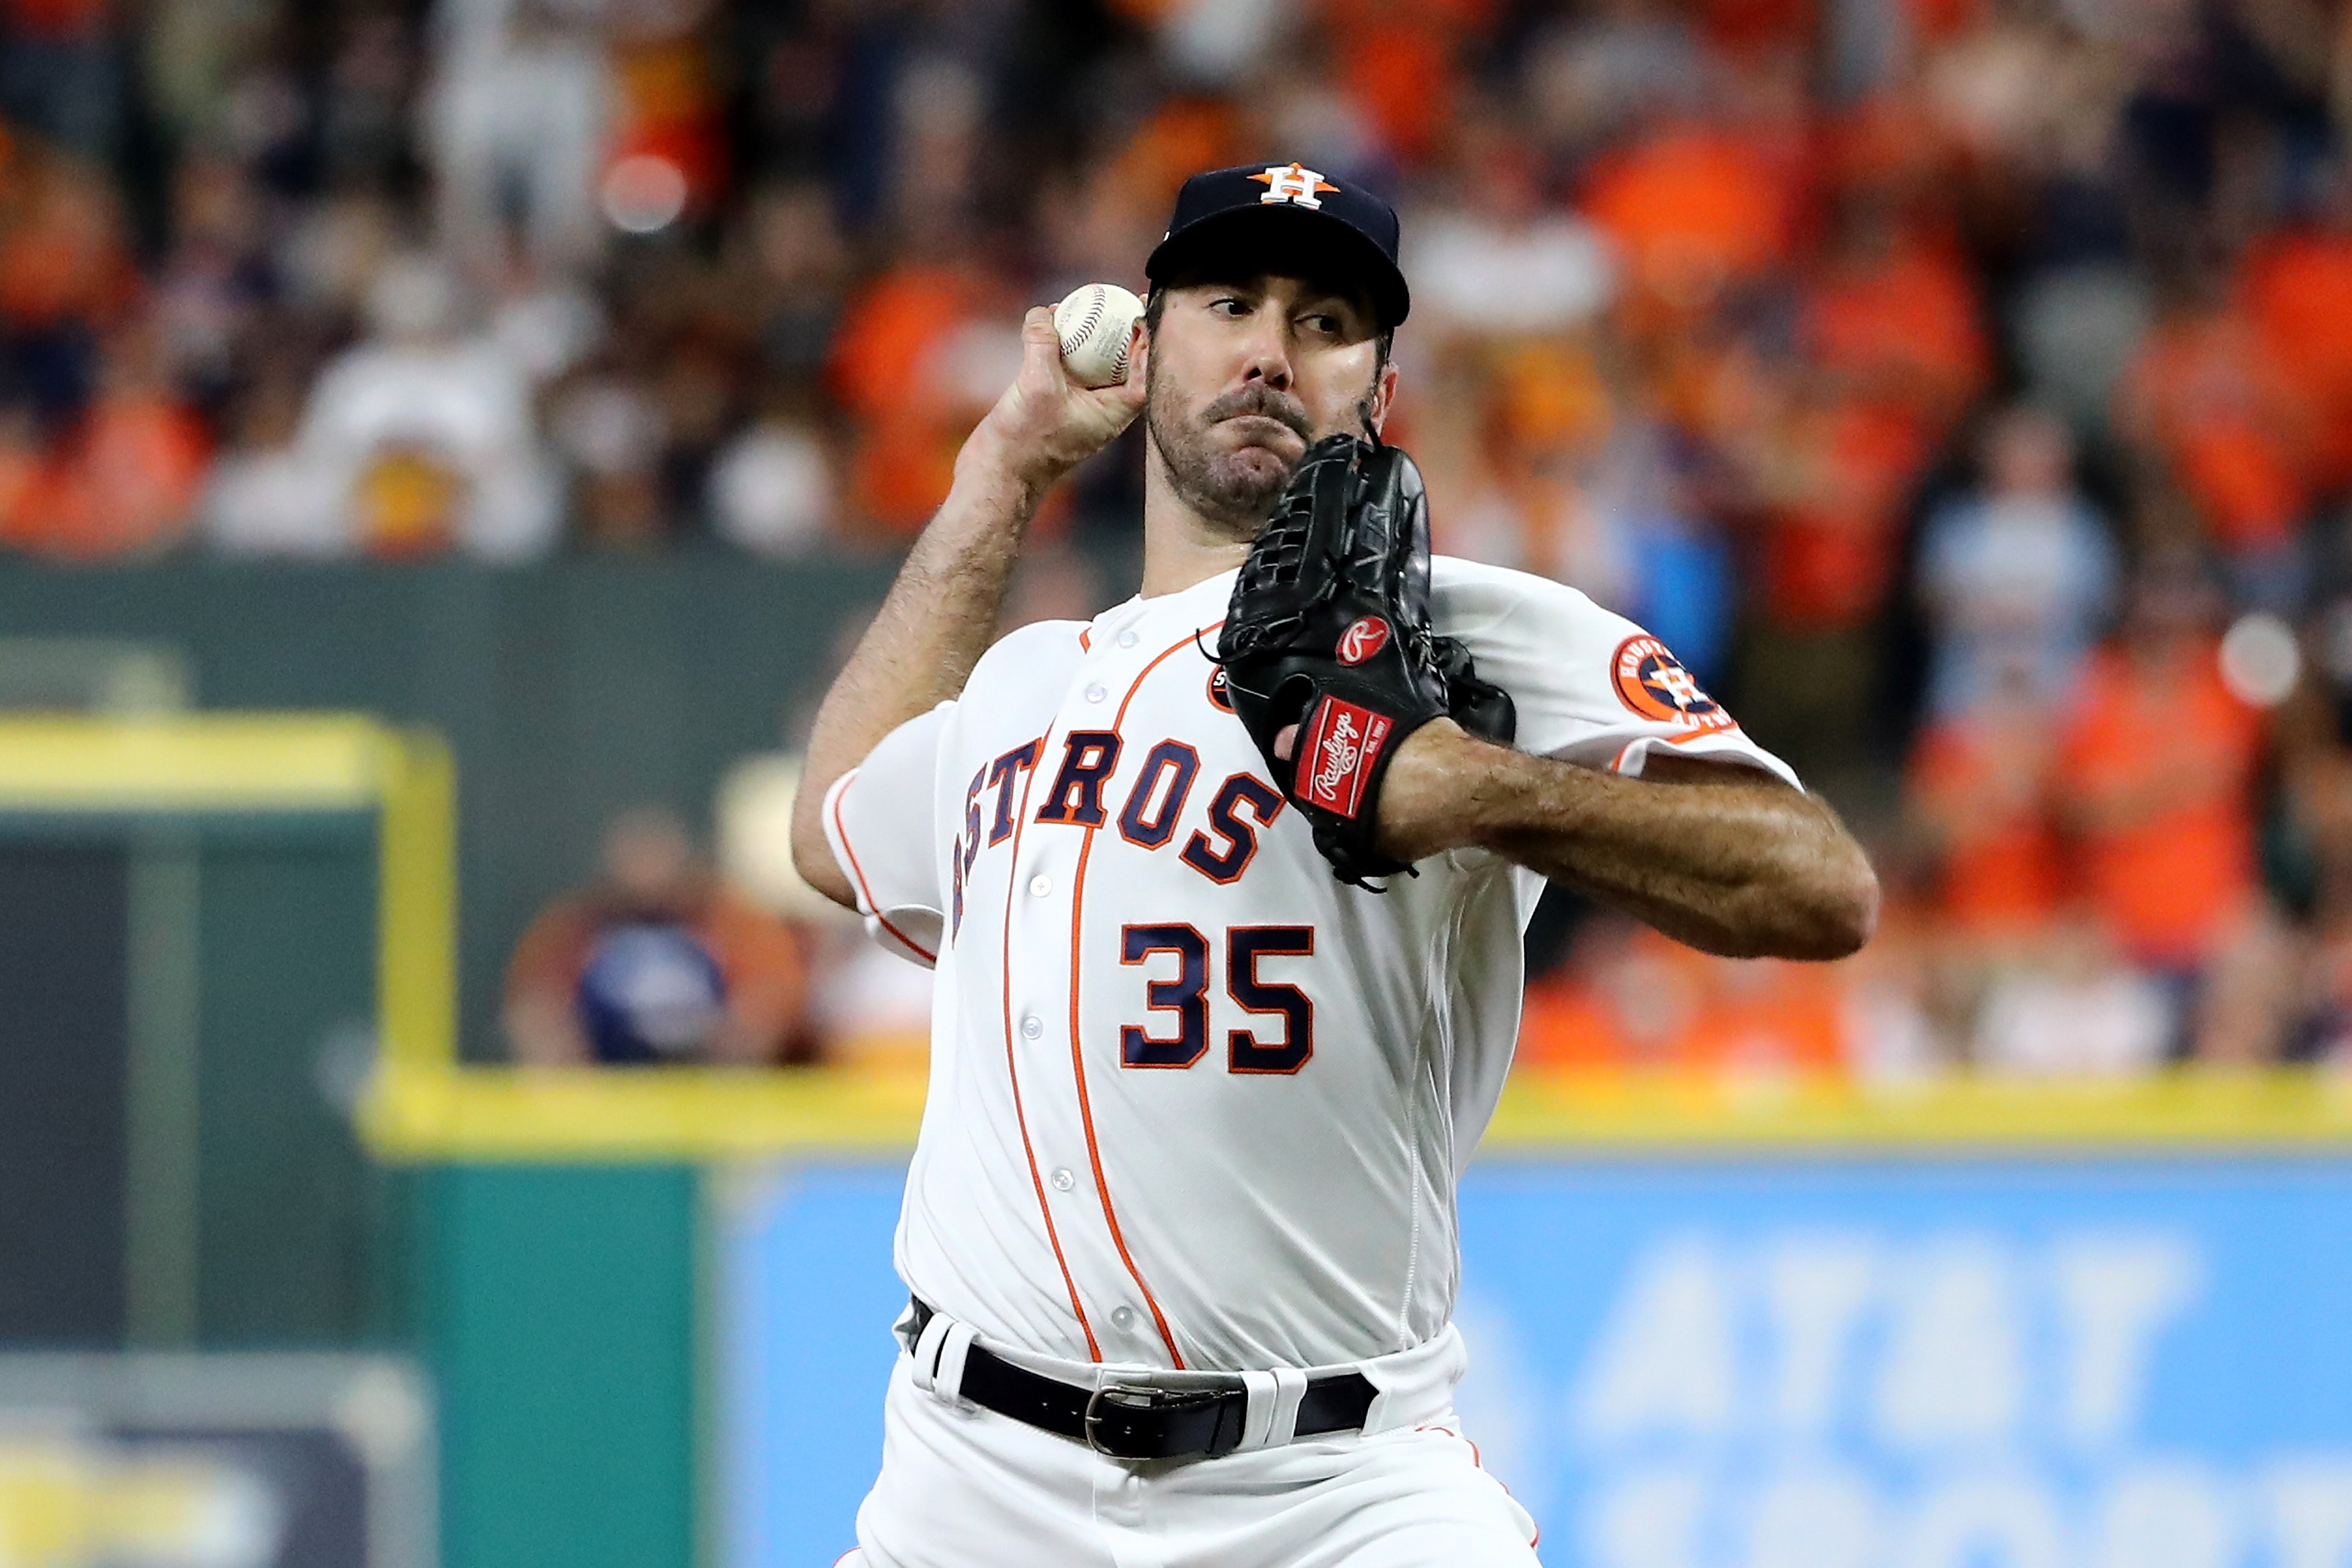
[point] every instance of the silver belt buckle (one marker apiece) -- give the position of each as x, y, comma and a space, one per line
1144, 1399
1134, 1394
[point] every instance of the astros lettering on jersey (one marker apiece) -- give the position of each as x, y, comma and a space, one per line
1195, 1104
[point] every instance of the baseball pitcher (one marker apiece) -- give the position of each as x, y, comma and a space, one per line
1223, 892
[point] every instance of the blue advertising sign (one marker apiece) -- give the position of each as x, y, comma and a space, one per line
2097, 1363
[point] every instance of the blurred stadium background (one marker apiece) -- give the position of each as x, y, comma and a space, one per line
444, 445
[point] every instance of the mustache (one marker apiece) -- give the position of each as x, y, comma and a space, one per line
1264, 401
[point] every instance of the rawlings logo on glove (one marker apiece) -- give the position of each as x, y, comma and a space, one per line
1327, 635
1341, 745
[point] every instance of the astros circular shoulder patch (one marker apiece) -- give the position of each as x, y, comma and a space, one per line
1653, 682
1218, 695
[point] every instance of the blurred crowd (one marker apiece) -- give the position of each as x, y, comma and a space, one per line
1962, 387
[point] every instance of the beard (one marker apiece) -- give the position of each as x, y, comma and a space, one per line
1223, 485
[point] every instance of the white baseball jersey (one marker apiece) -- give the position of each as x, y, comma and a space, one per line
1195, 1103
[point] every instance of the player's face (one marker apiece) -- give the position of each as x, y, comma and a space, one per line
1243, 376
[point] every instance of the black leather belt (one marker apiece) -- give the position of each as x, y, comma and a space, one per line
1134, 1422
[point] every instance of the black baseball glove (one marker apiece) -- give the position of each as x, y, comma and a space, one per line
1329, 630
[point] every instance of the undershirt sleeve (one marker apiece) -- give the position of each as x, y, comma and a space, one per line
881, 818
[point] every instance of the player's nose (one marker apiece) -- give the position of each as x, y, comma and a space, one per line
1267, 355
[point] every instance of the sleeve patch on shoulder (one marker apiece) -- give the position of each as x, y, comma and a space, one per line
1651, 681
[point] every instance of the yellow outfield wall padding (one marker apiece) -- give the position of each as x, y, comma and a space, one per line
221, 763
592, 1114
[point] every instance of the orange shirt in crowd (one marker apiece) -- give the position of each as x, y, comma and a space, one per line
1832, 541
121, 485
903, 458
62, 255
1181, 136
2298, 289
1980, 783
2206, 392
1397, 58
1693, 212
1650, 1002
1906, 326
2156, 767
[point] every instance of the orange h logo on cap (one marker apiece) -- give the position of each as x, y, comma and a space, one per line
1292, 184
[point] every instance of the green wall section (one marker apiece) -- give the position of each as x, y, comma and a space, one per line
567, 691
291, 1250
561, 1326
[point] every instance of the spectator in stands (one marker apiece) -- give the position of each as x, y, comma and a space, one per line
797, 268
2156, 763
122, 481
2214, 415
771, 489
65, 278
215, 278
265, 496
655, 963
2298, 287
609, 430
517, 113
1631, 998
426, 435
2017, 574
2070, 1008
915, 349
1493, 257
1980, 787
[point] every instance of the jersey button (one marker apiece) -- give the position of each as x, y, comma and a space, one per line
1032, 1026
1095, 693
1040, 885
1063, 1180
1123, 1316
1127, 639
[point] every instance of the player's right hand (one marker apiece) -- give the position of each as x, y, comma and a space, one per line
1045, 425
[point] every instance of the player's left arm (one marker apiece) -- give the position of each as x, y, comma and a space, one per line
1726, 857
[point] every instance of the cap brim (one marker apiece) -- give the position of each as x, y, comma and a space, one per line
1286, 240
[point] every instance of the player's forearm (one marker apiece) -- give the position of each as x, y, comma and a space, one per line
1711, 854
936, 621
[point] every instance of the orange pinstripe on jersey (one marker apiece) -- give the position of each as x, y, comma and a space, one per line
1012, 1070
841, 830
1077, 1055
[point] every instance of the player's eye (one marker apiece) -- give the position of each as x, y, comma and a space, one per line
1229, 306
1327, 325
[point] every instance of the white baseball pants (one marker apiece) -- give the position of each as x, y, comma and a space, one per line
965, 1488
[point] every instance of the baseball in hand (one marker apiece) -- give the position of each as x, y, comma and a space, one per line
1096, 325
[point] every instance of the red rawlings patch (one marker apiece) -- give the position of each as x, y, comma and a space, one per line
1338, 747
1363, 640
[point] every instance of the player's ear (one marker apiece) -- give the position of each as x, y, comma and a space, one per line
1376, 406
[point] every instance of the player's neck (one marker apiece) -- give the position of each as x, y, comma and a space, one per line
1180, 547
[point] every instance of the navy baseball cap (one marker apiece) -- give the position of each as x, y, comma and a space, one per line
1282, 217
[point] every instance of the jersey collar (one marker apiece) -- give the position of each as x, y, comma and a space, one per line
1204, 604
